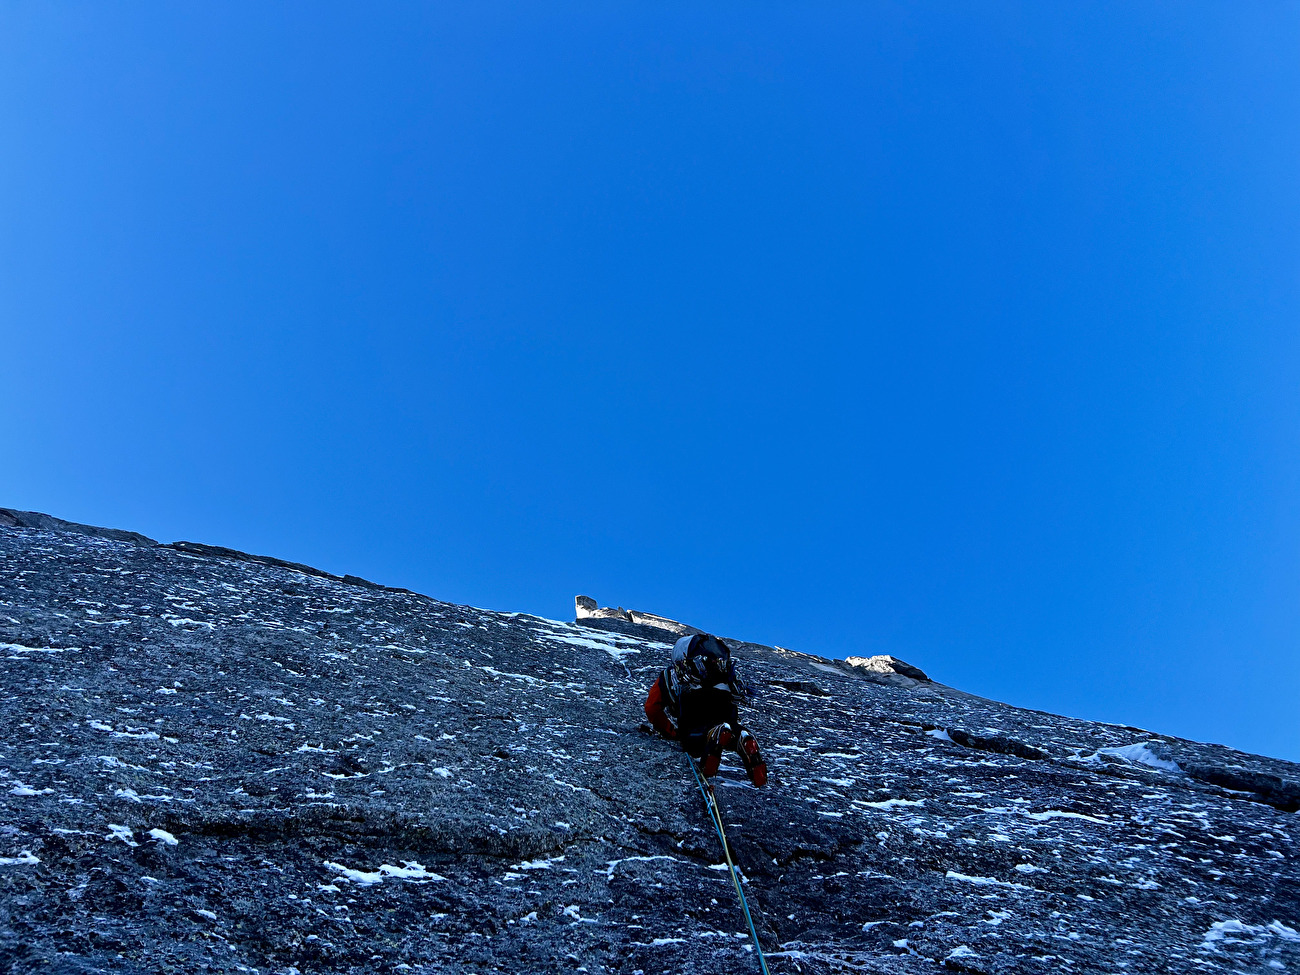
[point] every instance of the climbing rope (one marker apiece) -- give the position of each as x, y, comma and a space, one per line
711, 803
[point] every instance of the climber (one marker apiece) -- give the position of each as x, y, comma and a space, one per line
694, 702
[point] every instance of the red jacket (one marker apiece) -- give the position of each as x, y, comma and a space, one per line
656, 711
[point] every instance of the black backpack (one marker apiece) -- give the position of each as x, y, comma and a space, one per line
702, 660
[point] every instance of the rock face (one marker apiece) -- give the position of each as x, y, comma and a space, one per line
588, 610
11, 518
211, 761
885, 664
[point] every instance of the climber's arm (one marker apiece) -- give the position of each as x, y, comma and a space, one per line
657, 713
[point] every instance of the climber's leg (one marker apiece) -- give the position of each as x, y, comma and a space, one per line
719, 739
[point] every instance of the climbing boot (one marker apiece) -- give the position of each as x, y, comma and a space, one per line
719, 740
747, 747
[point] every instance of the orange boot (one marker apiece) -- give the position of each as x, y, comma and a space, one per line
747, 747
719, 739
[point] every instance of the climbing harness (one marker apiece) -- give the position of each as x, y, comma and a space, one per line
711, 803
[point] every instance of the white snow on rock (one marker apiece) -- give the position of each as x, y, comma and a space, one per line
609, 873
19, 648
1233, 931
608, 643
538, 864
411, 870
24, 858
123, 833
1140, 753
891, 803
147, 735
982, 881
1063, 814
164, 837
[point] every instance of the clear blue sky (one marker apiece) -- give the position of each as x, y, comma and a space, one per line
964, 332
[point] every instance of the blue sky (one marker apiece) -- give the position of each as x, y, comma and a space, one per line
963, 332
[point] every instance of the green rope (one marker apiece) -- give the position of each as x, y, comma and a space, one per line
711, 803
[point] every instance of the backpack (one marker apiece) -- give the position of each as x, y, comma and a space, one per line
701, 660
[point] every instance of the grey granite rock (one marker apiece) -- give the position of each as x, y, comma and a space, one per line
219, 763
587, 609
12, 518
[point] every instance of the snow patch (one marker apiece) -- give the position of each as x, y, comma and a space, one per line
411, 870
19, 648
1233, 931
538, 864
890, 803
1064, 814
606, 644
123, 833
611, 864
982, 881
1140, 753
